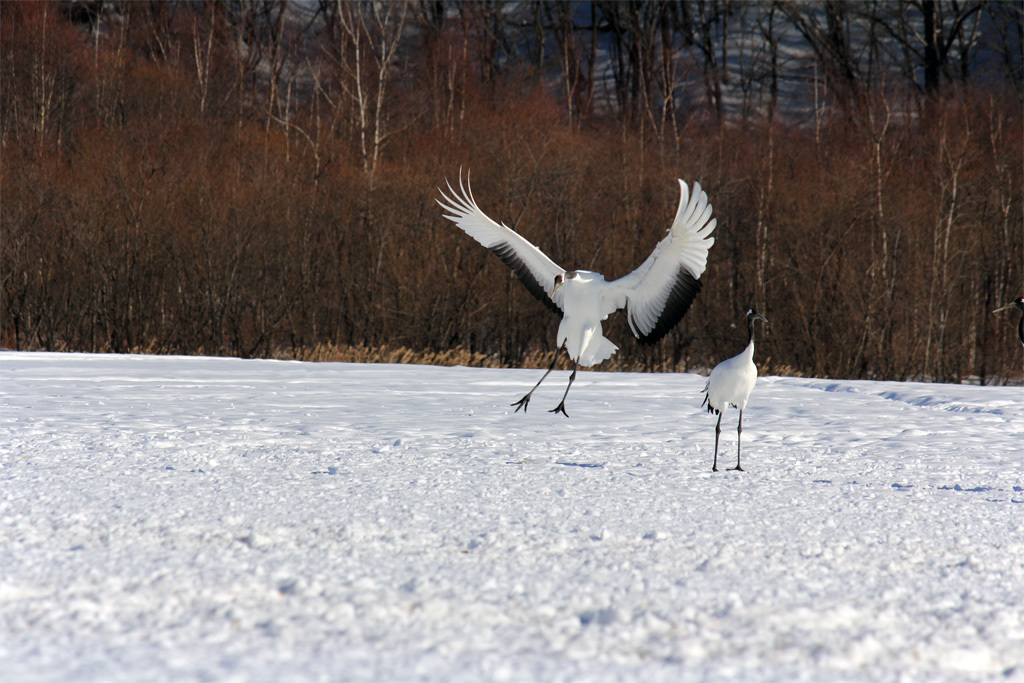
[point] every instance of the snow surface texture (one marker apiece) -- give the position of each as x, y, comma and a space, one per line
220, 519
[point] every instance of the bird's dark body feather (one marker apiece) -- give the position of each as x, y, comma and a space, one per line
711, 409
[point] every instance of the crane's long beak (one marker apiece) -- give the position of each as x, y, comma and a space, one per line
558, 283
1004, 308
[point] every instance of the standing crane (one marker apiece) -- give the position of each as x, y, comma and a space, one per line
730, 384
655, 296
1017, 303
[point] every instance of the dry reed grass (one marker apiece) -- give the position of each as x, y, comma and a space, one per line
458, 356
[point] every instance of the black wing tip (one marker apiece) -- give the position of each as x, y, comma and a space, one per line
509, 257
682, 296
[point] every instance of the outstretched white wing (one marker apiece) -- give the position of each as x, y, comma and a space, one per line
532, 265
657, 294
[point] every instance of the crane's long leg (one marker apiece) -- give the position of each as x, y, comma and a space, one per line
524, 402
718, 433
739, 431
560, 408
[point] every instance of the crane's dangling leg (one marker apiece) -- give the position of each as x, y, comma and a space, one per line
525, 400
560, 408
739, 431
718, 433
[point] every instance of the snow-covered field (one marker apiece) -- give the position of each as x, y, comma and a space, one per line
166, 518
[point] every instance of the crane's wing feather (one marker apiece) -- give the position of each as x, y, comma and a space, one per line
533, 267
658, 294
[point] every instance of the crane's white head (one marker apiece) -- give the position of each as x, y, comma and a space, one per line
753, 315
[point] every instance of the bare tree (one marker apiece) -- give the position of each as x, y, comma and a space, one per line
952, 153
928, 39
832, 47
366, 42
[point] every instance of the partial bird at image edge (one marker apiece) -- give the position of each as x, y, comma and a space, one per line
1017, 303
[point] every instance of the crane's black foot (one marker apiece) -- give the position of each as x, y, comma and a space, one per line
560, 408
715, 468
522, 403
737, 469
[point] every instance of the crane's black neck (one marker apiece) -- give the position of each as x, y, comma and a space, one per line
1020, 326
750, 331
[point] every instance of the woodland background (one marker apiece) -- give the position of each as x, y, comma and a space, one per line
258, 178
